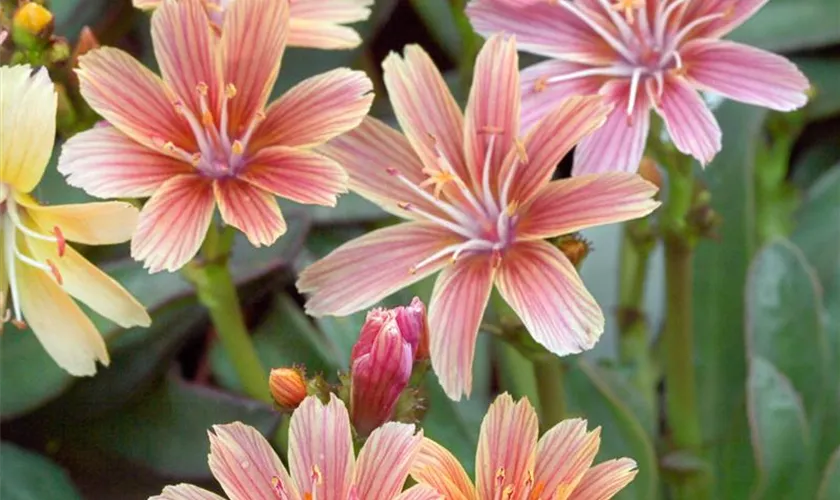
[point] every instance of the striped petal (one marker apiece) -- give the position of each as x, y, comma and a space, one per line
296, 174
540, 96
385, 460
492, 114
564, 455
420, 492
103, 223
540, 27
317, 23
250, 209
735, 14
131, 98
548, 142
67, 335
173, 223
316, 110
690, 124
363, 271
321, 449
188, 54
455, 310
27, 115
253, 41
108, 164
436, 467
245, 464
426, 111
605, 480
560, 314
619, 144
745, 74
88, 284
507, 447
185, 492
371, 153
569, 205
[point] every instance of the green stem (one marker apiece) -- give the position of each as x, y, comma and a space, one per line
549, 374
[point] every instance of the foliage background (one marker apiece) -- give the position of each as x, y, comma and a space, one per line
766, 292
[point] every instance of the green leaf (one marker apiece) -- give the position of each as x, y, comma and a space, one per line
780, 434
438, 17
28, 476
823, 76
166, 430
447, 425
784, 324
787, 25
830, 484
592, 395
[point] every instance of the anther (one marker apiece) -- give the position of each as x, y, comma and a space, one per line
237, 148
500, 476
168, 146
207, 118
392, 171
195, 159
55, 272
230, 91
432, 139
60, 241
541, 84
19, 324
521, 151
202, 88
316, 476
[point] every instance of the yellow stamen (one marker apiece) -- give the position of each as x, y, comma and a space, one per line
230, 90
541, 84
202, 88
628, 6
439, 179
521, 151
32, 18
237, 148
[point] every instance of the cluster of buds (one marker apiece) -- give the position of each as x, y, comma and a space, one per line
31, 30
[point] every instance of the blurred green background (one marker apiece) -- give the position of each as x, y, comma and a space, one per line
767, 303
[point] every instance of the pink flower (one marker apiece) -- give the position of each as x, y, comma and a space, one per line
479, 203
202, 136
382, 361
512, 463
317, 24
321, 461
641, 56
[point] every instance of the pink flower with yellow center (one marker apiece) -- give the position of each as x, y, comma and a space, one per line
39, 272
322, 465
641, 55
202, 136
317, 24
512, 464
479, 202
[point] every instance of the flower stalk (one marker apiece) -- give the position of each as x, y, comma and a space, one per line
549, 374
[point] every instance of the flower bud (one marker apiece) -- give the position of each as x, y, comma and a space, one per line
288, 387
575, 247
650, 172
414, 326
32, 18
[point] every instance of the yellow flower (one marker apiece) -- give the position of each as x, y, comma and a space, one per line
38, 271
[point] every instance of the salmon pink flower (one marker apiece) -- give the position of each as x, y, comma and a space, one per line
317, 24
479, 202
321, 461
39, 272
202, 136
512, 463
641, 55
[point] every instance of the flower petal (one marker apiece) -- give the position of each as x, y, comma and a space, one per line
371, 153
108, 164
253, 41
332, 11
250, 209
437, 467
568, 205
90, 285
27, 114
185, 491
426, 111
690, 124
606, 479
540, 27
549, 141
564, 455
420, 492
507, 447
317, 23
745, 74
363, 271
146, 5
735, 13
321, 446
619, 144
296, 174
560, 314
385, 460
188, 54
103, 223
131, 98
173, 223
540, 97
67, 335
245, 464
316, 110
455, 310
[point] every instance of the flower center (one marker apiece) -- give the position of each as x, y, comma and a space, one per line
219, 154
484, 218
12, 223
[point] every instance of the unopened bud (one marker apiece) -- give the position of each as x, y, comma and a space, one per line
650, 172
575, 247
87, 42
32, 18
414, 326
288, 387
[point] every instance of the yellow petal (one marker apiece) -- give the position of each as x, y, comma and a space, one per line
103, 223
27, 125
